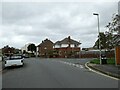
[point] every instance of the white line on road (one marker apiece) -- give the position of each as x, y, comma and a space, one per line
72, 64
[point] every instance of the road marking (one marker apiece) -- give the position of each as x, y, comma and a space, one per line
99, 72
77, 65
81, 66
72, 64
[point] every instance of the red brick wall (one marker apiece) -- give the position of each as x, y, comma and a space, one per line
67, 52
89, 55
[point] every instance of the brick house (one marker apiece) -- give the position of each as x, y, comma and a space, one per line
67, 48
44, 49
7, 51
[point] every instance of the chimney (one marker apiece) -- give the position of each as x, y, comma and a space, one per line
69, 41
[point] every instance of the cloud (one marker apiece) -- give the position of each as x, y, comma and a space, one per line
24, 22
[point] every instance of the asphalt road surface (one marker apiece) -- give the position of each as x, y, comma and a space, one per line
54, 73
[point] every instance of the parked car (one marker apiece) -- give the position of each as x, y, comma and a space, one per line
14, 61
25, 55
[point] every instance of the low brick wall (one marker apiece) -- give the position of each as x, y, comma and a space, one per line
89, 55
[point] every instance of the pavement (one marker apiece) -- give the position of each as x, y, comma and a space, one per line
110, 70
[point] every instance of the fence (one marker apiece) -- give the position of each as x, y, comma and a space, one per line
118, 55
95, 54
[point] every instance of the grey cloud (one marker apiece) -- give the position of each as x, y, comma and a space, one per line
13, 11
33, 22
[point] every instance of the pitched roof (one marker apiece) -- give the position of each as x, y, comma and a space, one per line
67, 41
45, 41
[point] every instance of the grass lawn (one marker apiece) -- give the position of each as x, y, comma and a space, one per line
109, 61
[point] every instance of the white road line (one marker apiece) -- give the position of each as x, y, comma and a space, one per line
100, 72
77, 65
81, 66
72, 64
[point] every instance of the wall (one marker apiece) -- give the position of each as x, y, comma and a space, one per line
67, 52
95, 54
64, 45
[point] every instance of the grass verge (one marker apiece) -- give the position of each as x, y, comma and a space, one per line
110, 61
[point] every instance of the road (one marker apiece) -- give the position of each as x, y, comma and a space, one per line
54, 73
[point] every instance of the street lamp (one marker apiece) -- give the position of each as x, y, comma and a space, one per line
99, 35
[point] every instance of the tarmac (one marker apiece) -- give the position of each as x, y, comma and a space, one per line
109, 70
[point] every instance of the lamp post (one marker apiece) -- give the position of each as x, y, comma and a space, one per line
99, 35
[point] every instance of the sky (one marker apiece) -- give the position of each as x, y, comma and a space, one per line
23, 21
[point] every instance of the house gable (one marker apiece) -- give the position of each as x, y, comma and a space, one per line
67, 42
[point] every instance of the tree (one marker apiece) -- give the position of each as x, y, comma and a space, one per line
24, 52
114, 25
102, 41
32, 48
114, 29
105, 41
108, 38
